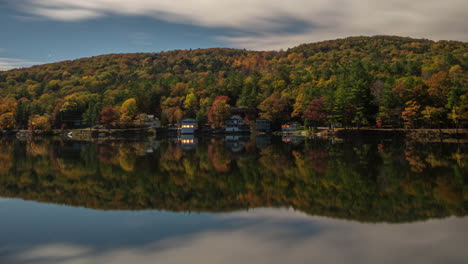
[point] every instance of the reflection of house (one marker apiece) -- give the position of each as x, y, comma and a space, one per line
152, 146
236, 124
188, 126
292, 139
234, 143
263, 125
151, 121
290, 127
188, 141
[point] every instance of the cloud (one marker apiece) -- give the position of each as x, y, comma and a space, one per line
269, 240
66, 14
266, 24
11, 63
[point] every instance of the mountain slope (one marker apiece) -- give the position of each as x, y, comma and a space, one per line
354, 81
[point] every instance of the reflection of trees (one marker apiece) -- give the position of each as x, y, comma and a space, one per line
220, 157
370, 182
448, 191
127, 159
6, 156
36, 148
274, 161
415, 162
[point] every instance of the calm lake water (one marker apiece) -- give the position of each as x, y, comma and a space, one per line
233, 200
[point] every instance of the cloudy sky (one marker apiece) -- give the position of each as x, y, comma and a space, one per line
39, 31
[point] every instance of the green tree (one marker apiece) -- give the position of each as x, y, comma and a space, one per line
434, 116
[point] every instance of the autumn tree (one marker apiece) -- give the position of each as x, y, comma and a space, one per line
40, 122
172, 110
8, 107
315, 112
128, 111
433, 115
438, 88
274, 108
191, 105
459, 114
219, 111
7, 121
410, 114
109, 115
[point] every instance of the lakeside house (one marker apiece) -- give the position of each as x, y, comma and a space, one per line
263, 125
236, 124
291, 127
70, 120
188, 126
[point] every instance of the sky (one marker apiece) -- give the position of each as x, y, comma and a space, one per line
42, 31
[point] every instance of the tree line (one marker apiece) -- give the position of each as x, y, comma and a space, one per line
381, 81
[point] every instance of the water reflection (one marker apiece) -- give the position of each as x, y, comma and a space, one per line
66, 235
365, 181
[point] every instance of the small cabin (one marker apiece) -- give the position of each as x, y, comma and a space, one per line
188, 126
236, 124
151, 121
291, 127
263, 125
70, 120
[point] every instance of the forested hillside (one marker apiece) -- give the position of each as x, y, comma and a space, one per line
357, 81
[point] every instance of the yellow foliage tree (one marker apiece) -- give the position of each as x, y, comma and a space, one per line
39, 122
7, 121
128, 111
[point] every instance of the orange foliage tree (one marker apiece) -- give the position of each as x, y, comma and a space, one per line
410, 113
219, 111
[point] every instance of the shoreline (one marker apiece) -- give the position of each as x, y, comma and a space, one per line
422, 134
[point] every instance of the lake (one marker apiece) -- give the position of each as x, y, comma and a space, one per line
233, 200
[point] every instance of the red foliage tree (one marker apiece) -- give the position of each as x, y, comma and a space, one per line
109, 115
439, 87
315, 112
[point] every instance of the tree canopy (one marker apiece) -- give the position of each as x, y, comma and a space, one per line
364, 81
